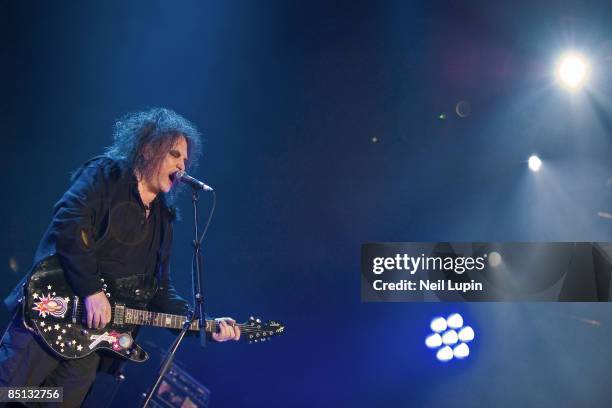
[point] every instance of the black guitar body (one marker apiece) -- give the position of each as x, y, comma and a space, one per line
55, 313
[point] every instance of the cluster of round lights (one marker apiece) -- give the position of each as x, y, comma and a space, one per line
450, 337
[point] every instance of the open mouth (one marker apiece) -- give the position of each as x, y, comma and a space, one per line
172, 179
175, 177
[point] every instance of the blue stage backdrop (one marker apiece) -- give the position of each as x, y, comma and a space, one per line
329, 125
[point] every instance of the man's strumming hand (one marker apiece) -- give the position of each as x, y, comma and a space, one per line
98, 310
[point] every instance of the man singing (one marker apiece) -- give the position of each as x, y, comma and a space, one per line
112, 226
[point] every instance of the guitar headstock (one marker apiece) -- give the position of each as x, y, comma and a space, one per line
255, 331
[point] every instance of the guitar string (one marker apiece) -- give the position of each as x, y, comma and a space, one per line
244, 327
80, 310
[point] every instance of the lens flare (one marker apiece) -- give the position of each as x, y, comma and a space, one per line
572, 70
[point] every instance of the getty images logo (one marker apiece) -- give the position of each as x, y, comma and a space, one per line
411, 264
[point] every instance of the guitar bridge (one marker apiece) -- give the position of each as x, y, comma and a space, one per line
75, 306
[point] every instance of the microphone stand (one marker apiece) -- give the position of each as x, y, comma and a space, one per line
167, 362
198, 294
199, 307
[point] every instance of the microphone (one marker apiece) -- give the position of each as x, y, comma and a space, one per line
181, 176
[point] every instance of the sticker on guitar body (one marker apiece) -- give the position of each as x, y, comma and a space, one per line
118, 341
55, 306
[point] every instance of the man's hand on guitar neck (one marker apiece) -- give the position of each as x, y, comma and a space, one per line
228, 330
98, 310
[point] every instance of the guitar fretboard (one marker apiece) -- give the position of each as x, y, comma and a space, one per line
170, 321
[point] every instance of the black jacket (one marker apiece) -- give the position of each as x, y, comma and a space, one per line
78, 234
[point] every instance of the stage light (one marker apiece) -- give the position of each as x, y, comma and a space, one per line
433, 340
466, 334
450, 337
534, 163
454, 321
438, 324
461, 351
572, 70
445, 354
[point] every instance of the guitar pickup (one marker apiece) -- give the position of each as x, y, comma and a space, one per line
119, 314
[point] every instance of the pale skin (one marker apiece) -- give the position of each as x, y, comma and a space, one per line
97, 305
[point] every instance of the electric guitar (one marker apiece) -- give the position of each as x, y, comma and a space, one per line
56, 315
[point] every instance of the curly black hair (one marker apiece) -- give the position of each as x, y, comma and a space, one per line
157, 129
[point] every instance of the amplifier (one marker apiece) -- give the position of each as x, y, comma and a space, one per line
178, 389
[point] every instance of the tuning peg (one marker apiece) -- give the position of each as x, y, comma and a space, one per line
258, 321
251, 318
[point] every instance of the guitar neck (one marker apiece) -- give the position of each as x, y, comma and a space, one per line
170, 321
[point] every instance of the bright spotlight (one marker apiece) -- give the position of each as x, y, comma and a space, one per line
449, 343
454, 321
534, 163
461, 351
572, 70
433, 340
445, 354
438, 324
450, 337
466, 334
